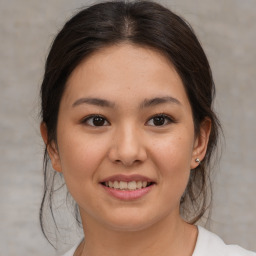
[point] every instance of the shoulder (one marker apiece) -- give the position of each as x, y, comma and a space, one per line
210, 244
71, 251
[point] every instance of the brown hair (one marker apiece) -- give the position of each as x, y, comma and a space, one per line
144, 23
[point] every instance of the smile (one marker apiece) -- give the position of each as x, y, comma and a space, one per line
128, 187
123, 185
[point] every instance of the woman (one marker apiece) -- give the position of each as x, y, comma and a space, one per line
127, 120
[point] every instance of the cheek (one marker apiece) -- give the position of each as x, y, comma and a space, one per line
81, 155
172, 157
173, 151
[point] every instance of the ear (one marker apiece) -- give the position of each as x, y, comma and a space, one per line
201, 143
51, 148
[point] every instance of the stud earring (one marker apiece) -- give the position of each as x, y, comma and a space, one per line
197, 160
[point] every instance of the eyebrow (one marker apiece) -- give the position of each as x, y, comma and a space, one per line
159, 100
146, 103
93, 101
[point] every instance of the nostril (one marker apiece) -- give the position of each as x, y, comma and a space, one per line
127, 163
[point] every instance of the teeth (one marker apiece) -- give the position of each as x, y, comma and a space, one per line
139, 184
123, 185
131, 185
116, 184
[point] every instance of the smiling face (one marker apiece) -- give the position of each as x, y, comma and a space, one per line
125, 138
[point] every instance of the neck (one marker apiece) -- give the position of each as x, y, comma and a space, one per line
164, 238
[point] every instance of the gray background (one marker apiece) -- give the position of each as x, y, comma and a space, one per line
227, 30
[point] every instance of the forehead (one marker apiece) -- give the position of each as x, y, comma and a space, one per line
124, 71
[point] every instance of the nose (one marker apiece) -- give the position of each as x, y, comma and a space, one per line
127, 147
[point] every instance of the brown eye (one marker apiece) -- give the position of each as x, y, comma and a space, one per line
159, 120
98, 121
95, 120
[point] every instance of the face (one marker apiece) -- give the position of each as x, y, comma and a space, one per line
125, 138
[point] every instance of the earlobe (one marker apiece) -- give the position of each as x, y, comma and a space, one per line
201, 143
51, 148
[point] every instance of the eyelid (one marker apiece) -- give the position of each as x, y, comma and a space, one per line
168, 117
91, 116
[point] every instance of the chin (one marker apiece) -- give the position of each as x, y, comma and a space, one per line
131, 222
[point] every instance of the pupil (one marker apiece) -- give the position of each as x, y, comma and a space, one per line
98, 121
159, 120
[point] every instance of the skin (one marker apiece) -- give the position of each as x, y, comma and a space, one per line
128, 142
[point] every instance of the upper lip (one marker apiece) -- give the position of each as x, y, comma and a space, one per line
127, 178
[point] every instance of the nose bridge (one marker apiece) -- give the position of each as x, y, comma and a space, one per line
128, 146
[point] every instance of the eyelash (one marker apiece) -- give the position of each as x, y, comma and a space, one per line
92, 118
167, 120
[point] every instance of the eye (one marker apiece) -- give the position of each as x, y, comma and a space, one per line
95, 120
160, 120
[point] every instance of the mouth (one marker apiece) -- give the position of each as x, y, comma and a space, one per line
127, 185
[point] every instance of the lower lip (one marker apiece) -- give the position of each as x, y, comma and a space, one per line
128, 194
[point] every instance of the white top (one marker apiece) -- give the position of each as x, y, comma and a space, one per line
207, 244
